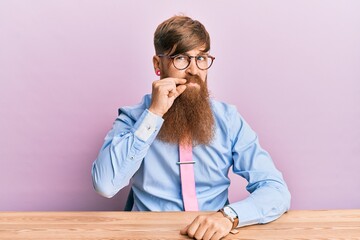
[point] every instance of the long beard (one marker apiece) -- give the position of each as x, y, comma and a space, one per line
190, 119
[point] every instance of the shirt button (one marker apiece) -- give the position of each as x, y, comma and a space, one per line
132, 158
148, 128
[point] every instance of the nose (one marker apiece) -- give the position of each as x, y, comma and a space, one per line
192, 69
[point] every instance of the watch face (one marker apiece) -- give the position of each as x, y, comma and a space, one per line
230, 212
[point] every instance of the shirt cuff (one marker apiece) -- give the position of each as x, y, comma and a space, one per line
148, 125
247, 212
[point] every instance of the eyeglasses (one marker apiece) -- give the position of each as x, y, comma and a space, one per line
182, 61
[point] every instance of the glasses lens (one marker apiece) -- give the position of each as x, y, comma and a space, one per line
181, 61
203, 61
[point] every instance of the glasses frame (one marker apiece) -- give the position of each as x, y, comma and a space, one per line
174, 56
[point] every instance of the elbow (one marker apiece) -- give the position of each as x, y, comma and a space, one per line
284, 199
287, 200
103, 188
104, 191
281, 206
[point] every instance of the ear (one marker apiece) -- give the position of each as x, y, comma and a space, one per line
156, 63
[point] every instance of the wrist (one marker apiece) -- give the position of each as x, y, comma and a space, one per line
230, 214
155, 112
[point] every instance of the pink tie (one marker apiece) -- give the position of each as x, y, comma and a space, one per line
187, 178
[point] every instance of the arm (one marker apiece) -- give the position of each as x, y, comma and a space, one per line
127, 143
269, 196
123, 150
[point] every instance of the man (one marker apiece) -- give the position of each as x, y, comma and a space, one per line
149, 144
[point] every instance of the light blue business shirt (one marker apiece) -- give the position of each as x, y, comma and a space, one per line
131, 153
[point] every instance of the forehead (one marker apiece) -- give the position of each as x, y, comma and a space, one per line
196, 51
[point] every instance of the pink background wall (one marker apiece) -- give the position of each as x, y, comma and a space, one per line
291, 67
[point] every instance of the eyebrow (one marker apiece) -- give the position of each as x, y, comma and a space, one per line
200, 53
203, 52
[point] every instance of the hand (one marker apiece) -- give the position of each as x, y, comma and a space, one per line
164, 92
213, 226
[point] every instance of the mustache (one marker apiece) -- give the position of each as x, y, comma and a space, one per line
193, 79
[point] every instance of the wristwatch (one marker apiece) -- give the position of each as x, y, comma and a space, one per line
230, 214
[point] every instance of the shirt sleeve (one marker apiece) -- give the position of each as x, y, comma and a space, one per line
269, 196
124, 148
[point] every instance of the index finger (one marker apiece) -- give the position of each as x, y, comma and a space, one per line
179, 80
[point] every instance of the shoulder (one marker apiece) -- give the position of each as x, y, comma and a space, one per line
225, 111
229, 120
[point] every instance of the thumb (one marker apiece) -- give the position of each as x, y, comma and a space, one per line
180, 89
184, 230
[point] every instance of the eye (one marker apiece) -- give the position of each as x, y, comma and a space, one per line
181, 58
201, 58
